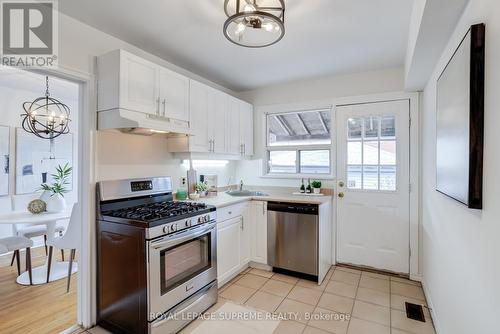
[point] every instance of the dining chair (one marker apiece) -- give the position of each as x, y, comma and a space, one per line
15, 244
33, 231
70, 240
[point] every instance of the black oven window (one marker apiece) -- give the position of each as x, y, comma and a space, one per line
184, 261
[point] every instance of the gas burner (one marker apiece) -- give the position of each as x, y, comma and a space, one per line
157, 211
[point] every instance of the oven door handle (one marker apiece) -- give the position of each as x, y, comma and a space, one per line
191, 304
181, 239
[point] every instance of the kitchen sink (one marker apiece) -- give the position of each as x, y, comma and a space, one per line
244, 193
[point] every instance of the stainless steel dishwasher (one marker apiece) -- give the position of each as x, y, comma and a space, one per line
292, 238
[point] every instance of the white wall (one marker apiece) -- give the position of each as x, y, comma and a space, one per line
461, 248
17, 87
128, 156
307, 92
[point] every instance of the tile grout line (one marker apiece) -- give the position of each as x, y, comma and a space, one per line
354, 302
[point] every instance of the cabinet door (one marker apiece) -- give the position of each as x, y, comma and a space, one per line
234, 144
259, 235
198, 105
245, 236
174, 95
139, 84
246, 128
228, 248
219, 122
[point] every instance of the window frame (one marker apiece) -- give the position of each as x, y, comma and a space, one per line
297, 148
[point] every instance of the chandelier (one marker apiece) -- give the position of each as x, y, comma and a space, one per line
254, 23
46, 117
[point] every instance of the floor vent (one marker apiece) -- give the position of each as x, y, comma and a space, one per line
415, 312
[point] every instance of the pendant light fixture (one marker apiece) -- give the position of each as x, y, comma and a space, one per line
254, 23
46, 117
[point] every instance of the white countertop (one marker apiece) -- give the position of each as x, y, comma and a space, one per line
223, 199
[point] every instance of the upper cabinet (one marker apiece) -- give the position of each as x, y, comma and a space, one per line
220, 124
128, 82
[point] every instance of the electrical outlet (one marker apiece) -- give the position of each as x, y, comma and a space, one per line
183, 181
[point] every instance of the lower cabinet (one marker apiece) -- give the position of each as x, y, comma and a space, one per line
228, 248
259, 231
241, 239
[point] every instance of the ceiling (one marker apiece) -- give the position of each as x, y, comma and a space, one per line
323, 37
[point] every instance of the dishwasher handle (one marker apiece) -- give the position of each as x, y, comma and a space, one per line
299, 208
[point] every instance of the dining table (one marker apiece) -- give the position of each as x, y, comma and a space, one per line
59, 269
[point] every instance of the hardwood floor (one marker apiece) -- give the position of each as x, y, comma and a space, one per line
35, 309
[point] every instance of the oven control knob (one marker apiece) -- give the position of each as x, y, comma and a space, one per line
166, 229
200, 220
173, 227
206, 218
188, 223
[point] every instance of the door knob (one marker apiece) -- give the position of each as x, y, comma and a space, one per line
341, 195
341, 184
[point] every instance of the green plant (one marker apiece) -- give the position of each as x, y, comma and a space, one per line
61, 178
201, 187
316, 184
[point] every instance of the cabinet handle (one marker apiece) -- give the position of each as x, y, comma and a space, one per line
242, 224
244, 149
213, 145
158, 106
164, 107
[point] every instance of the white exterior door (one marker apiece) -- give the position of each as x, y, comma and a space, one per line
373, 185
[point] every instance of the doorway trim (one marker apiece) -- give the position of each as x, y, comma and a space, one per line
414, 198
87, 125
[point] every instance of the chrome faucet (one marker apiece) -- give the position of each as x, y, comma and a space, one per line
241, 185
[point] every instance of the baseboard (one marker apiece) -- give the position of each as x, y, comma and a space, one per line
417, 278
430, 305
72, 329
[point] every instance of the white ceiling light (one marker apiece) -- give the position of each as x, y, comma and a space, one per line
254, 23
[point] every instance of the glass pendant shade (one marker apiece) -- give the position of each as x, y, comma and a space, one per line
254, 23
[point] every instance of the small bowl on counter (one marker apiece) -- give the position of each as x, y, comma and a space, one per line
194, 196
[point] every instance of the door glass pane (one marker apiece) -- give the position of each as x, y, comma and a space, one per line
282, 162
354, 180
354, 128
388, 127
371, 127
388, 152
388, 178
354, 153
315, 162
370, 153
183, 262
370, 177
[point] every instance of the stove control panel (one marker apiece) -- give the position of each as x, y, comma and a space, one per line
180, 225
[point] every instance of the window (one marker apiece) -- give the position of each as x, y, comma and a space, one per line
371, 153
299, 143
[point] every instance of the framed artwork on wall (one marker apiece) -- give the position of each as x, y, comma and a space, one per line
4, 160
35, 162
460, 122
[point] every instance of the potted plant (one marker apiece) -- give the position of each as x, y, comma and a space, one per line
202, 188
316, 185
53, 194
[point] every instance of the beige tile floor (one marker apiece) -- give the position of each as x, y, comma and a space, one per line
347, 302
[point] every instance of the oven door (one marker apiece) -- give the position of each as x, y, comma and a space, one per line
180, 265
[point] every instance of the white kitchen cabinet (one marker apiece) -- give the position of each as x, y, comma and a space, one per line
234, 143
200, 115
246, 236
173, 95
228, 249
128, 82
258, 211
217, 123
246, 128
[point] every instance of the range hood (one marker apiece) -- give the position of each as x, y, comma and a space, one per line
133, 122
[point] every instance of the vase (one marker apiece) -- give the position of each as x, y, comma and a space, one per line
56, 203
45, 196
316, 190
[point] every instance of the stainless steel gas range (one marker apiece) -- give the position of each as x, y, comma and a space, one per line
156, 258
